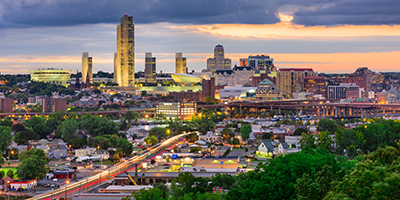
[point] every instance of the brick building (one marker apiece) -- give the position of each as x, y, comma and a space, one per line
6, 104
208, 88
54, 104
188, 96
315, 85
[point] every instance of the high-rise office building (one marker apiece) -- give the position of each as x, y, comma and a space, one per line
219, 62
87, 67
291, 80
150, 68
124, 60
363, 78
315, 85
180, 64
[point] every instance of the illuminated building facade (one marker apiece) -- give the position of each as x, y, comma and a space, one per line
124, 60
339, 91
51, 75
258, 62
266, 91
219, 62
150, 68
172, 110
378, 82
291, 80
180, 64
315, 85
87, 67
363, 78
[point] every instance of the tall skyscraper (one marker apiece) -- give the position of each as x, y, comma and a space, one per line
291, 80
124, 62
150, 68
219, 62
180, 64
87, 67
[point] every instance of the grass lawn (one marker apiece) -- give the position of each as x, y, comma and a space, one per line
5, 169
104, 162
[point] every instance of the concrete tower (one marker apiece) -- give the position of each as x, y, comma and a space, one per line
124, 65
150, 68
219, 62
180, 64
87, 67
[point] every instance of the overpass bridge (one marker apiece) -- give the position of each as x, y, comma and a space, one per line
95, 180
142, 111
326, 108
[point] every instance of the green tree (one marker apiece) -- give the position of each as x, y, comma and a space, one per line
125, 146
195, 149
245, 131
69, 130
143, 194
234, 141
267, 135
130, 115
77, 143
327, 125
6, 122
324, 141
32, 164
227, 134
18, 127
163, 188
2, 160
150, 140
300, 131
10, 173
5, 137
23, 136
102, 126
376, 177
42, 130
307, 141
277, 178
123, 126
159, 133
2, 174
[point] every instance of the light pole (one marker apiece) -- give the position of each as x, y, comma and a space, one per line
248, 162
66, 182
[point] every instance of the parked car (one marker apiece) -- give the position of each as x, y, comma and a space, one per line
47, 185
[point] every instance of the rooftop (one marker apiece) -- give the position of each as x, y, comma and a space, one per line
296, 69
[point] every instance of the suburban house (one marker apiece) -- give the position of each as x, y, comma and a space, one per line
85, 152
211, 137
294, 141
265, 148
282, 148
82, 165
57, 151
5, 183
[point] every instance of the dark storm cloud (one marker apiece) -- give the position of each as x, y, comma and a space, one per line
72, 12
357, 12
15, 13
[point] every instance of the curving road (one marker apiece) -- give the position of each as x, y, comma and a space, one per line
123, 166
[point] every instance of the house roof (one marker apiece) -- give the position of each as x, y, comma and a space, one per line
285, 145
266, 82
296, 69
223, 72
268, 144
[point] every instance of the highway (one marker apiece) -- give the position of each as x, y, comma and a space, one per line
123, 166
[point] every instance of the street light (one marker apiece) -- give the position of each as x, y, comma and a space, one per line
248, 162
66, 182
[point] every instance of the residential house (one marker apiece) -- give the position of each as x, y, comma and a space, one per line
293, 141
85, 152
266, 148
211, 137
5, 183
25, 184
282, 148
57, 151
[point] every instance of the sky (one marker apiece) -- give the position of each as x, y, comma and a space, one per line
331, 36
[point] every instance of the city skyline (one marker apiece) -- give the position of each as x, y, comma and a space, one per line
326, 37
